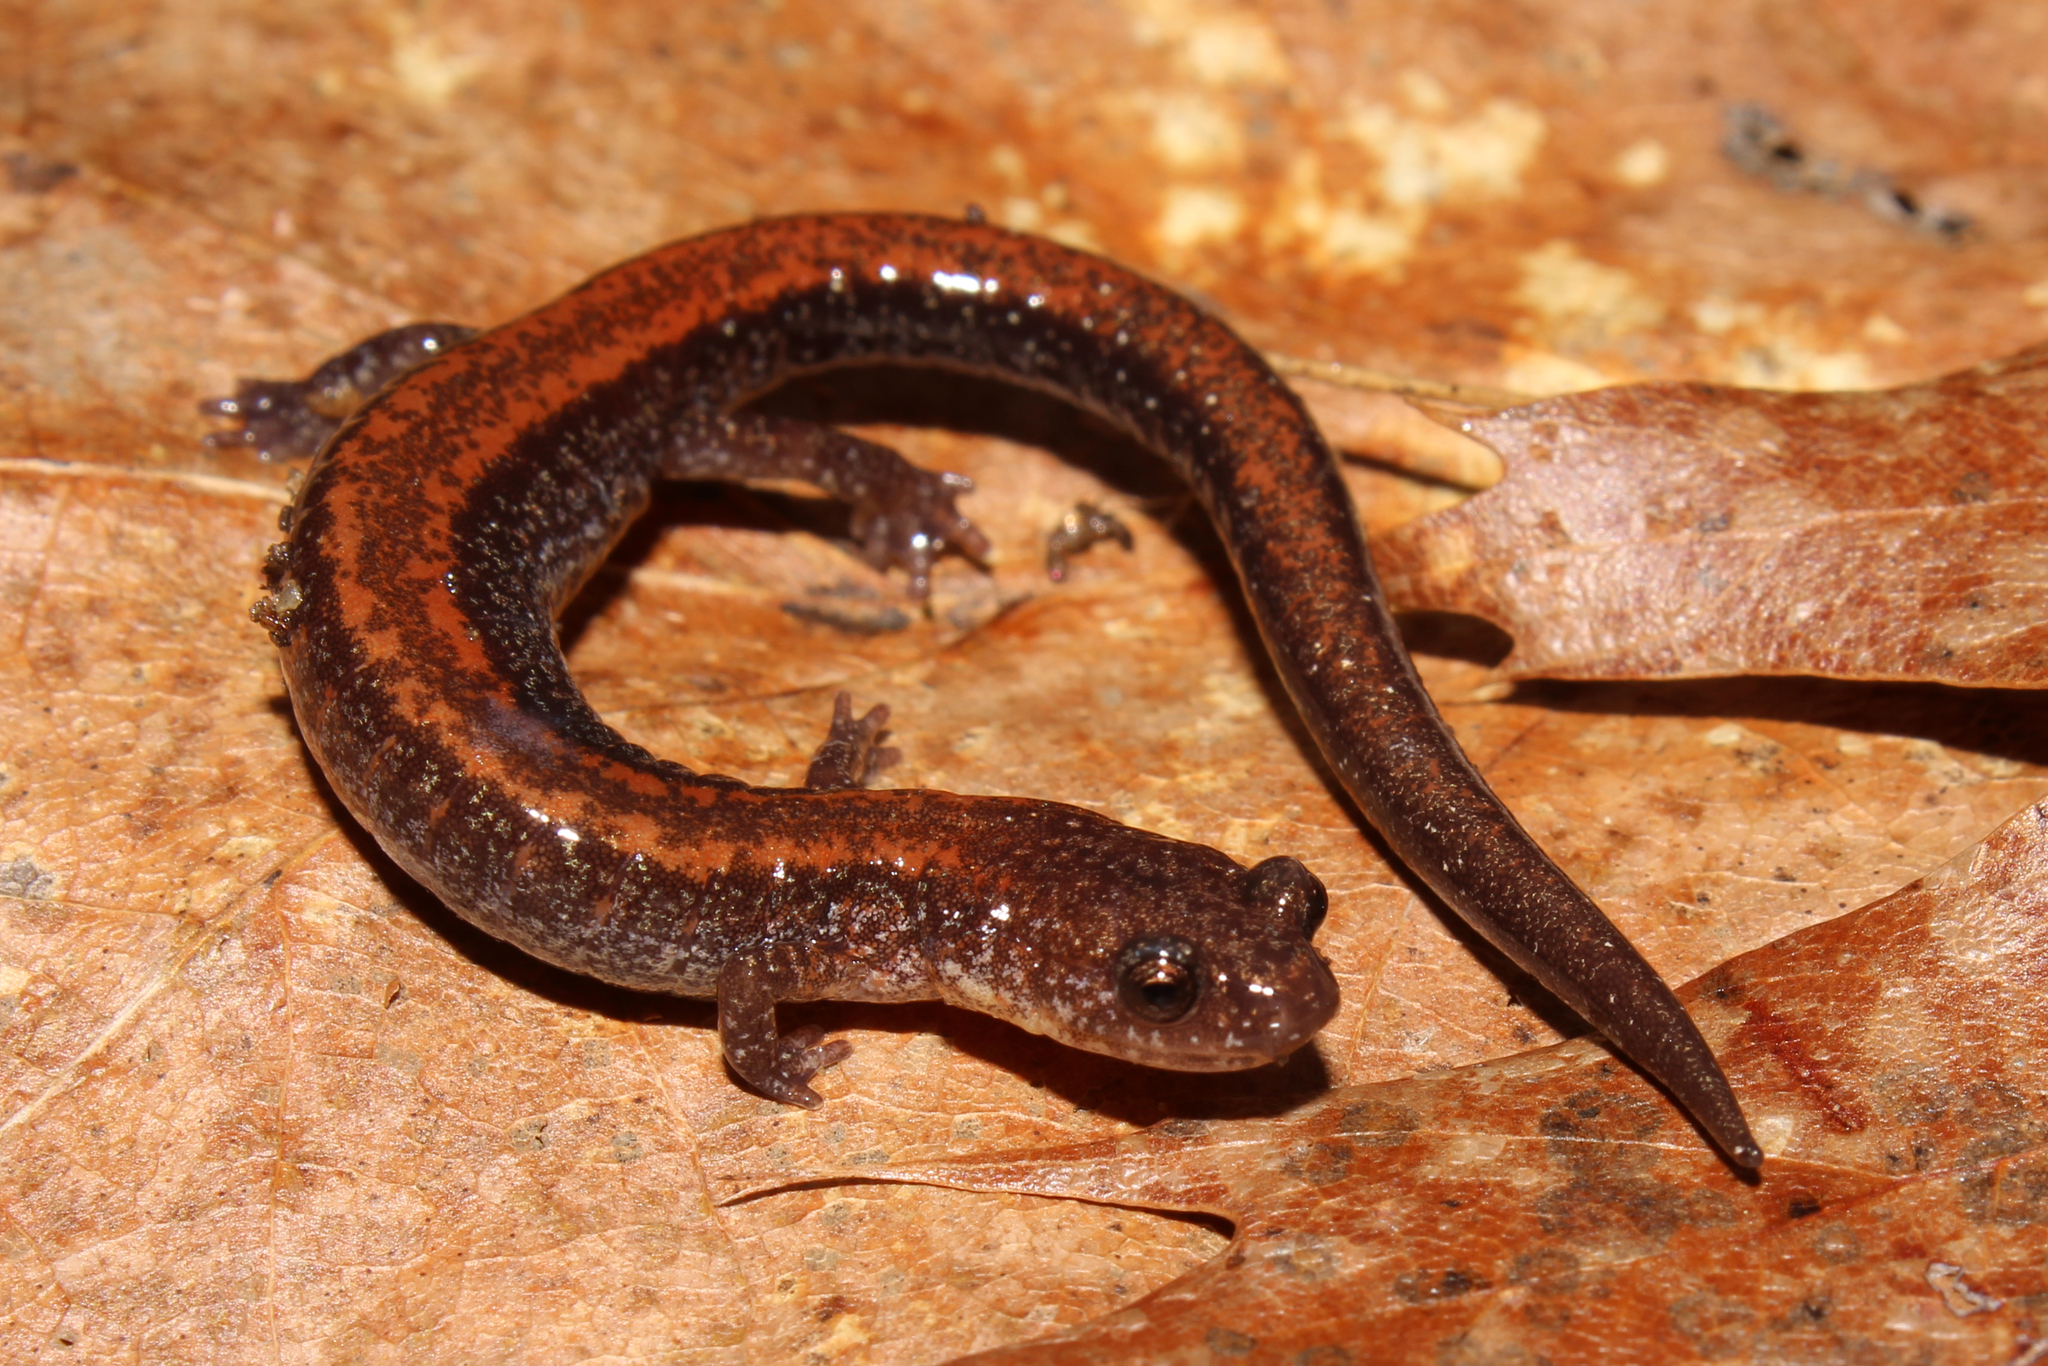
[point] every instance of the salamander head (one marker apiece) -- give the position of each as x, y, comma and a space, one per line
1150, 950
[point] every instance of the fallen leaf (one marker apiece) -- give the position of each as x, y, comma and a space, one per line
1551, 1206
267, 1102
1686, 530
1368, 416
234, 1028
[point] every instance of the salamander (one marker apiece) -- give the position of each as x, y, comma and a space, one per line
466, 484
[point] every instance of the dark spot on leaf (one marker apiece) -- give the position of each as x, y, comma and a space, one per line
1428, 1285
1378, 1124
24, 881
1226, 1343
1319, 1164
1973, 487
28, 173
1550, 1271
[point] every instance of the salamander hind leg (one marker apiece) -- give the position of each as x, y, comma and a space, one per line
903, 516
285, 419
778, 1066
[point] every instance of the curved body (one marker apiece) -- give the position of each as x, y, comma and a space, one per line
456, 511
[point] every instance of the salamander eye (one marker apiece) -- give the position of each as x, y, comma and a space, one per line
1159, 978
1291, 889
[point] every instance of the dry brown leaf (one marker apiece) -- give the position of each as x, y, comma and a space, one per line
277, 1049
1551, 1206
1369, 416
267, 1103
1686, 530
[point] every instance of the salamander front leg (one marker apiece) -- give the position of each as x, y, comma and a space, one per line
852, 752
778, 1066
902, 515
285, 419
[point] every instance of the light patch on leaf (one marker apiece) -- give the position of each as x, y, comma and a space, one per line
1007, 162
1077, 233
1218, 47
1568, 293
427, 72
1196, 215
1164, 818
847, 1335
1247, 841
1340, 236
1427, 161
1021, 213
1424, 159
1532, 370
1235, 695
1643, 163
1473, 1149
1717, 314
1773, 1133
1779, 350
244, 846
1363, 243
1785, 364
1195, 132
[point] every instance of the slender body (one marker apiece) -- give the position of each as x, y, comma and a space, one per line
457, 509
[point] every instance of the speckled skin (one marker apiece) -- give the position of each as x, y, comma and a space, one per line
455, 513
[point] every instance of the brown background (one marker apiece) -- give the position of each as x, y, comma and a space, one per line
265, 1101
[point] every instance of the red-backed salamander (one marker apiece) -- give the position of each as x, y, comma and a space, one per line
455, 510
